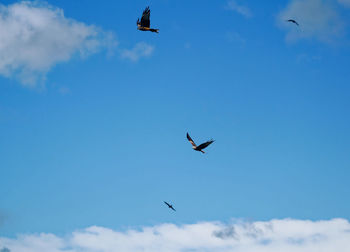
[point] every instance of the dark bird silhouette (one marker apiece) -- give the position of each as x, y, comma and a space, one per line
145, 23
201, 146
170, 206
293, 21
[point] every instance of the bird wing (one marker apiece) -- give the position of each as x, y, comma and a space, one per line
173, 208
167, 203
190, 139
293, 21
205, 145
145, 20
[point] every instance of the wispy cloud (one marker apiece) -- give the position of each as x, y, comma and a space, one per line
305, 57
35, 36
140, 50
243, 10
235, 37
318, 19
286, 235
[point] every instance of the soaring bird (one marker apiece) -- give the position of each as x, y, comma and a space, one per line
201, 146
293, 21
145, 23
170, 206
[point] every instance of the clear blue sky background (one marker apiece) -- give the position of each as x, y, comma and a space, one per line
111, 150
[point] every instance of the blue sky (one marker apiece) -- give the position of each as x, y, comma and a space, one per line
94, 134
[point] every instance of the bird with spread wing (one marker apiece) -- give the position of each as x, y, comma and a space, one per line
145, 23
199, 147
293, 21
170, 206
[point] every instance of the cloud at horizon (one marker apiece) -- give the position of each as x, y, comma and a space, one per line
276, 235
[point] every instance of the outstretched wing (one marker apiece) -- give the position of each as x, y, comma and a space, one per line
167, 203
190, 139
173, 208
205, 145
145, 21
293, 21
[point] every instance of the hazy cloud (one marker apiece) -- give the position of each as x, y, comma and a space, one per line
188, 45
35, 36
318, 19
3, 216
235, 37
243, 10
305, 57
140, 50
64, 90
344, 2
286, 235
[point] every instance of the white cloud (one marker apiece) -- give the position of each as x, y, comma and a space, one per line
318, 19
243, 10
35, 36
140, 50
286, 235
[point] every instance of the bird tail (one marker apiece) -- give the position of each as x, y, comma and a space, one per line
202, 151
154, 30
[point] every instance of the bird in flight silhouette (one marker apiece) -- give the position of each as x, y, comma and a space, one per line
170, 206
201, 146
293, 21
145, 23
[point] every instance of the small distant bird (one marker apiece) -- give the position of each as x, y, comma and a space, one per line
170, 206
145, 23
201, 146
293, 21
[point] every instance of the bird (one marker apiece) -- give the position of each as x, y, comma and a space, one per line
293, 21
145, 23
170, 206
201, 146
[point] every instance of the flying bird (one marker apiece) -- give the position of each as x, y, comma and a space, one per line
293, 21
170, 206
145, 23
201, 146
